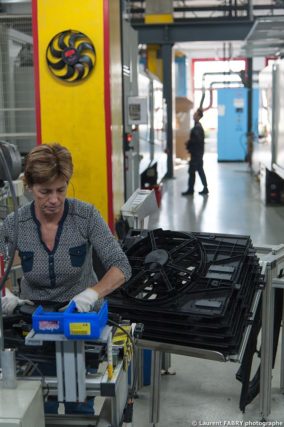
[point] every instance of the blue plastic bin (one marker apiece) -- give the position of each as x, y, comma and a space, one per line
72, 324
84, 325
47, 322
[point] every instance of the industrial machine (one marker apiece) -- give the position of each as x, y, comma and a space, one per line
262, 149
144, 120
153, 164
13, 159
132, 117
22, 407
268, 159
17, 110
73, 359
232, 123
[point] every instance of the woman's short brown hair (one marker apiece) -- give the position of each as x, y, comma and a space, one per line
47, 162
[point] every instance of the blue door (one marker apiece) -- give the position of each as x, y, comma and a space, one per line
232, 123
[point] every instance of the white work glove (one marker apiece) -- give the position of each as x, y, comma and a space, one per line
85, 301
11, 301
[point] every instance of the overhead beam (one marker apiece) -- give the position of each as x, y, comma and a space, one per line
178, 8
218, 8
193, 32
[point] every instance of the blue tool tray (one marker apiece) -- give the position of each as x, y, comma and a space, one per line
84, 325
47, 322
72, 324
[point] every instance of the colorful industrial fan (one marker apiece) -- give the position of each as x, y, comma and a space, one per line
71, 56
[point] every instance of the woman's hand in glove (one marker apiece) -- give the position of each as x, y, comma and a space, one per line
11, 301
85, 301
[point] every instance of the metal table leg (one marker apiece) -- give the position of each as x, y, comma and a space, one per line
282, 354
166, 361
155, 386
140, 378
119, 400
267, 344
166, 364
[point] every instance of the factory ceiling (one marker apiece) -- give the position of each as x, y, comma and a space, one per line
204, 28
184, 10
210, 28
265, 38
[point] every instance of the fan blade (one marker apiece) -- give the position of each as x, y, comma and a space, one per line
56, 65
74, 37
61, 42
86, 60
80, 69
70, 73
181, 246
82, 46
152, 240
166, 281
181, 269
135, 279
54, 52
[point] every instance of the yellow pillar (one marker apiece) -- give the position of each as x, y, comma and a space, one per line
79, 114
154, 62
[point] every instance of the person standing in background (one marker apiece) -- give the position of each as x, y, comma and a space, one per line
195, 146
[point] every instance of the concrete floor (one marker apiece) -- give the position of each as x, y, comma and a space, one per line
233, 205
206, 391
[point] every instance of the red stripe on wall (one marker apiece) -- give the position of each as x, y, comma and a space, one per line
108, 114
36, 71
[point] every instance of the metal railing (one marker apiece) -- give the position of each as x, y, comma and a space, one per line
184, 10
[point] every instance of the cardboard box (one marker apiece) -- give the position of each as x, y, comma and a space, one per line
183, 109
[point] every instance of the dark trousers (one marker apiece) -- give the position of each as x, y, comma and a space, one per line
196, 165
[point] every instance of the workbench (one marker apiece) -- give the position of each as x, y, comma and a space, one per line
271, 260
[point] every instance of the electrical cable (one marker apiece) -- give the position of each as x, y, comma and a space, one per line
128, 410
135, 358
16, 220
38, 370
15, 240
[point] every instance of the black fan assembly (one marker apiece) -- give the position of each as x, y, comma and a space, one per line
163, 266
71, 56
197, 290
192, 289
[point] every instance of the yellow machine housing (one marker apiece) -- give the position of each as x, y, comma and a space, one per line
84, 115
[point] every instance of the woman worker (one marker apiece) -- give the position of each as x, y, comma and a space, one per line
56, 238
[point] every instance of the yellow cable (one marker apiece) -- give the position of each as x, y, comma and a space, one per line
110, 371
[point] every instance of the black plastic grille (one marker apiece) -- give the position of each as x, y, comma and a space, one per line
192, 289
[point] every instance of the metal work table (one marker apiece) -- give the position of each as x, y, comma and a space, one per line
158, 348
271, 260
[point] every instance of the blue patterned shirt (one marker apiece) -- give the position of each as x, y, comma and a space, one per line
66, 270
